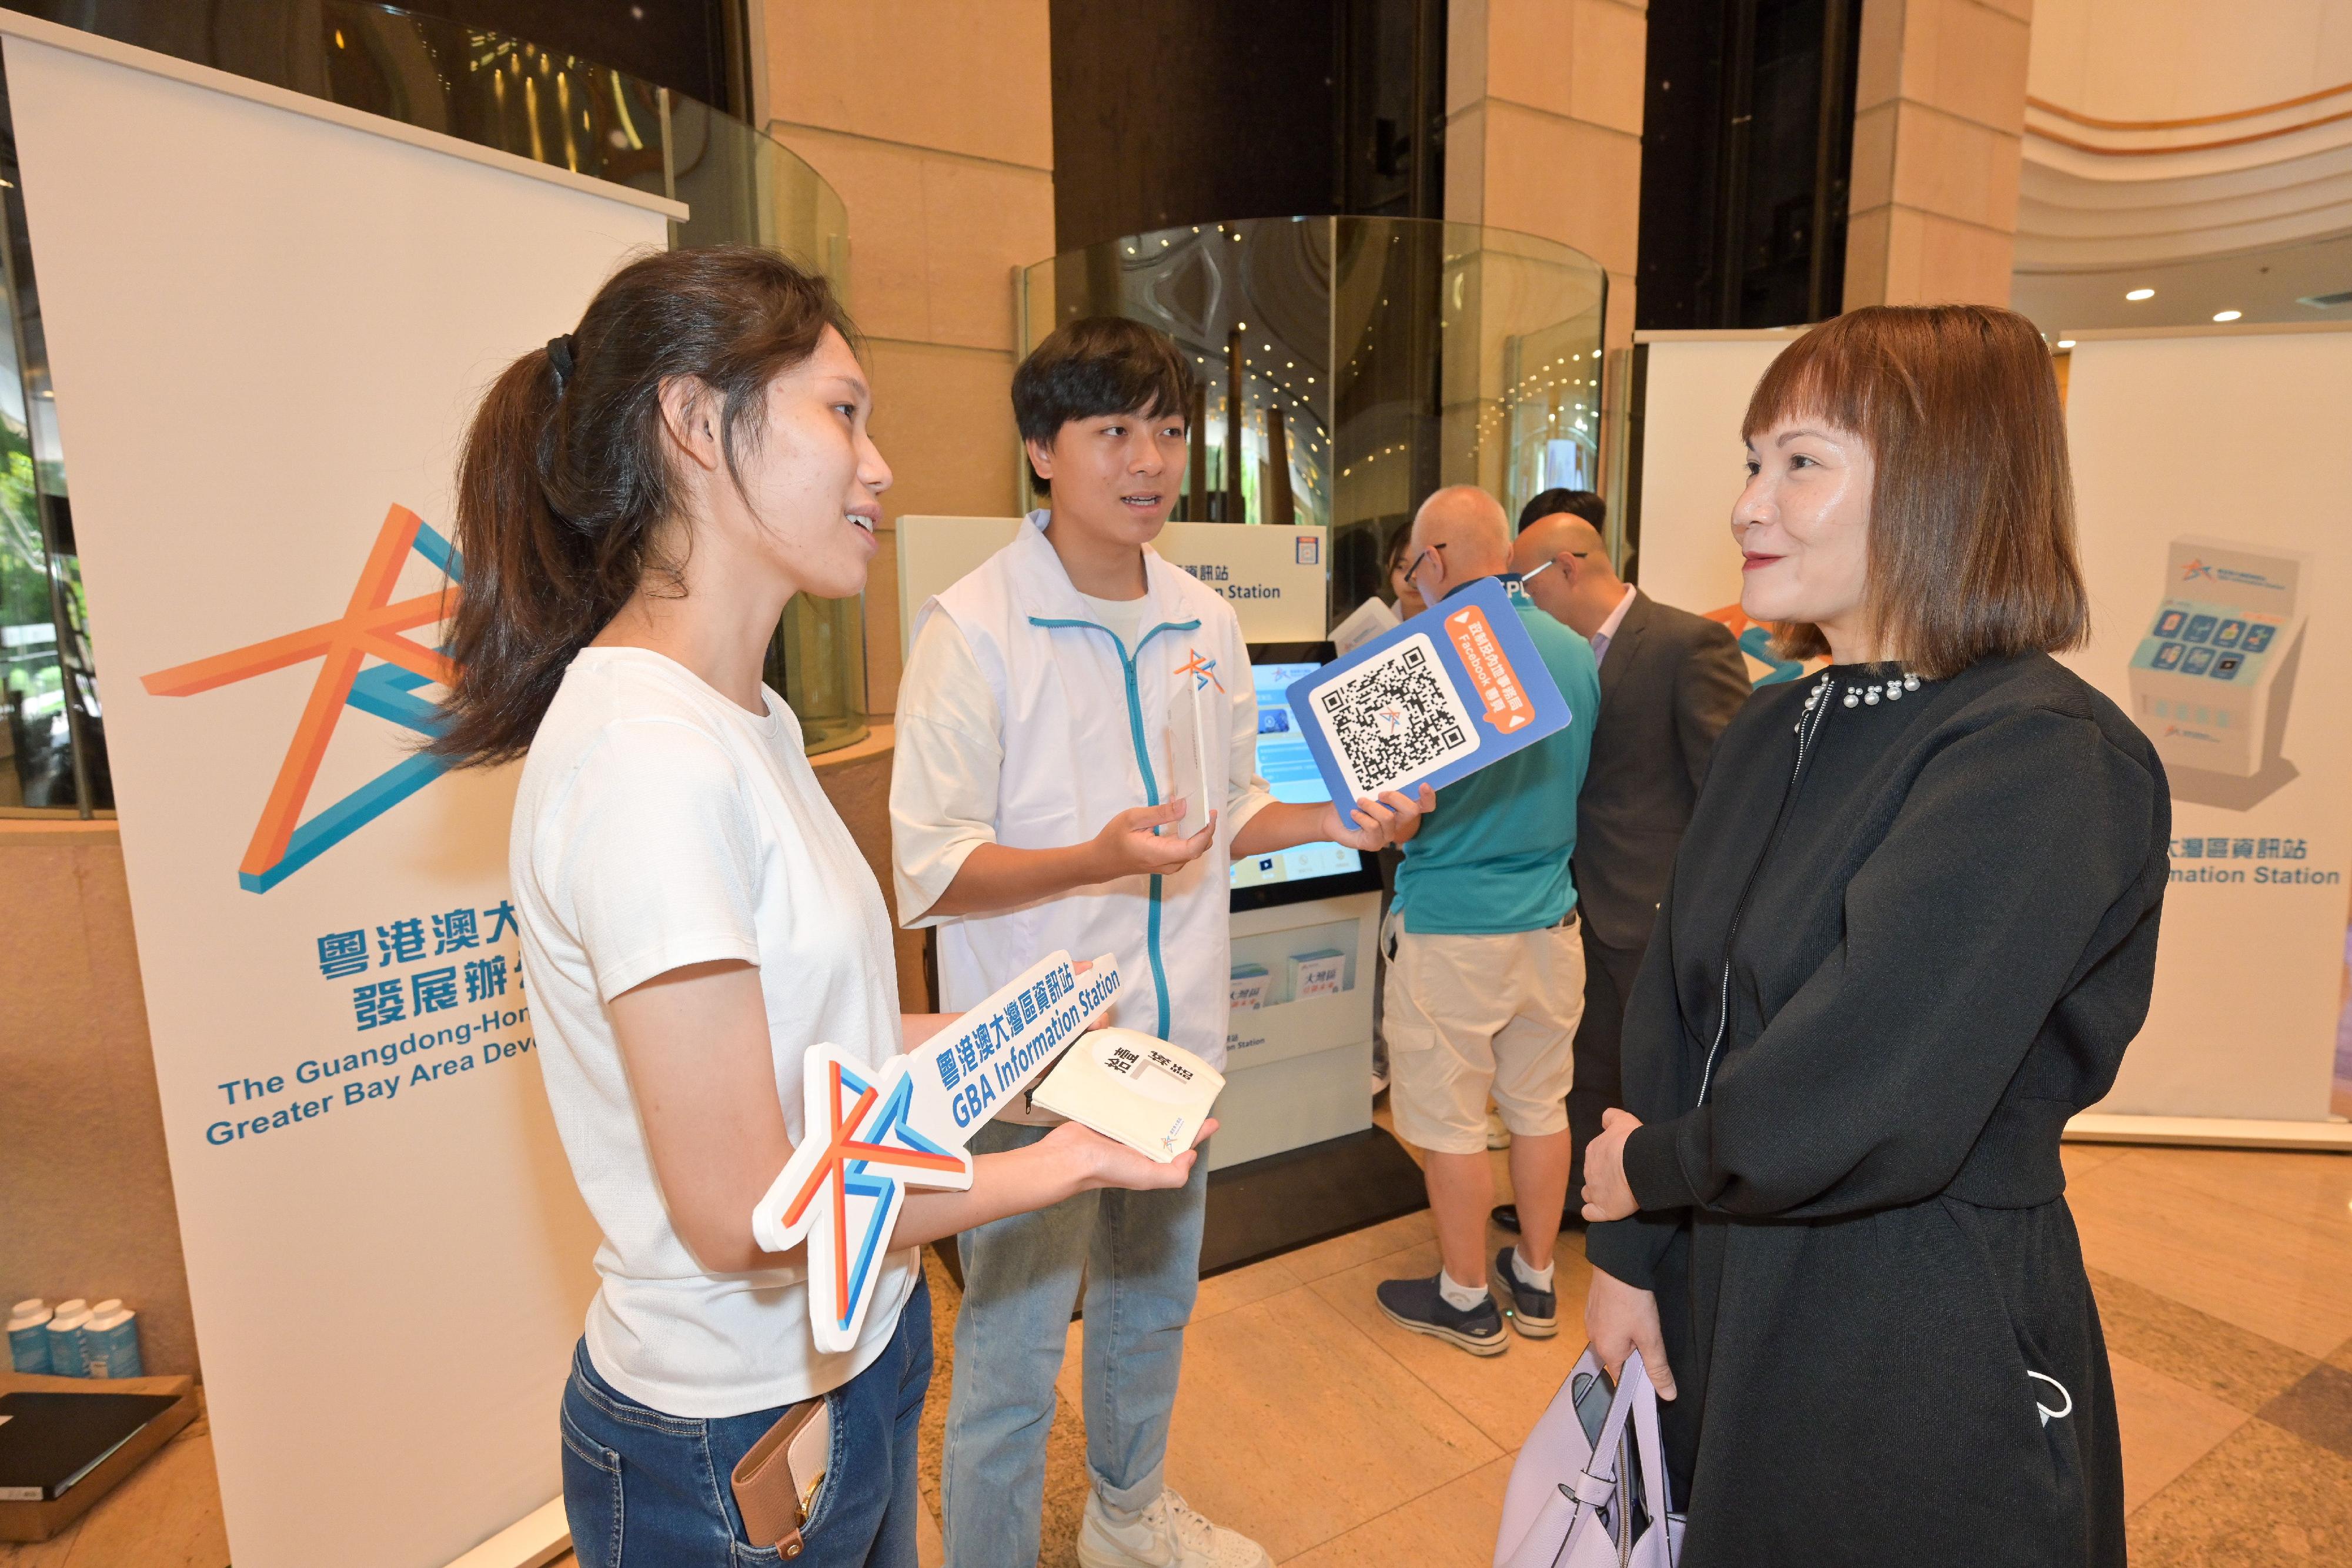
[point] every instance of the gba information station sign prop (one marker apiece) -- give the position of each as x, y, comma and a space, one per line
267, 320
2218, 625
871, 1135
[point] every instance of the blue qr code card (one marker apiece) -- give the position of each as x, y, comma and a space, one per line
1434, 699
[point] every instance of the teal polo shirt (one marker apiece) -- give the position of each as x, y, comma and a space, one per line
1492, 859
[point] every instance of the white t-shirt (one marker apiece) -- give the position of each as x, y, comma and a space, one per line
1123, 616
658, 825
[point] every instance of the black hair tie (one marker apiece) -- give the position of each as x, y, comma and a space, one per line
559, 360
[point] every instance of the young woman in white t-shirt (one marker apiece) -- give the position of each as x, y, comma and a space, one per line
637, 502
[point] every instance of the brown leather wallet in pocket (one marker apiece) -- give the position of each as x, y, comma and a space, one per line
772, 1498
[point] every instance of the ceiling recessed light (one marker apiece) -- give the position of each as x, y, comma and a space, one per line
2141, 294
2066, 342
2226, 315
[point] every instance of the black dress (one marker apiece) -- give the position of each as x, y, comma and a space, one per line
1886, 972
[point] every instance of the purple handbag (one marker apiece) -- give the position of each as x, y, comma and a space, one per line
1589, 1487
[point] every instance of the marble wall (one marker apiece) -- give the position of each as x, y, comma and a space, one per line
1543, 127
85, 1189
1939, 125
935, 125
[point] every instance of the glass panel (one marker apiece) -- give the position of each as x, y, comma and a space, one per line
1377, 359
1523, 365
52, 740
738, 186
818, 660
1390, 324
1250, 302
545, 105
35, 752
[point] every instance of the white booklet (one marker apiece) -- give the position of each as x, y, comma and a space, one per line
1367, 621
1147, 1094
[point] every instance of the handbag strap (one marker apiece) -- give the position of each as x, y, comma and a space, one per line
1598, 1483
1657, 1487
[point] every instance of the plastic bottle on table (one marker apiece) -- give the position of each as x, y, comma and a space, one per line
28, 1335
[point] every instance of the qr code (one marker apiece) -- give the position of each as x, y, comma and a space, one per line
1394, 719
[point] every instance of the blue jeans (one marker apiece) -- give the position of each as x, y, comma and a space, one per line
1140, 1255
643, 1489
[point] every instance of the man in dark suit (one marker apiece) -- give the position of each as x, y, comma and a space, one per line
1670, 681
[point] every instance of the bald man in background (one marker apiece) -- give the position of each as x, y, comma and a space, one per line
1485, 970
1670, 682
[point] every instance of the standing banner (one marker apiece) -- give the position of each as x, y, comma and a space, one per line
1695, 387
2214, 485
1694, 393
2211, 478
267, 319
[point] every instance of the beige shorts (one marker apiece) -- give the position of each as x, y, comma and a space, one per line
1470, 1017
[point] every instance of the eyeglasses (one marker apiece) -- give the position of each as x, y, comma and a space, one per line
1413, 571
1528, 577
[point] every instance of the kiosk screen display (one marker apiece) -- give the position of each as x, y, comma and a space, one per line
1305, 871
2218, 643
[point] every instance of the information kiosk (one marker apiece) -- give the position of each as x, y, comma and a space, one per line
2211, 679
1306, 923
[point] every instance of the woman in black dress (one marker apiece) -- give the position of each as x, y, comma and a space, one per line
1910, 932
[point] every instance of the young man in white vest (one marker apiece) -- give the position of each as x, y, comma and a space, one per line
1031, 809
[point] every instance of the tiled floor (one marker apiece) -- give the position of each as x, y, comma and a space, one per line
2224, 1280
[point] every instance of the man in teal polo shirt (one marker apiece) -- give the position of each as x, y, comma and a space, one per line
1485, 979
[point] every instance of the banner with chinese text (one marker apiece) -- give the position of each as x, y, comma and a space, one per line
2211, 476
267, 320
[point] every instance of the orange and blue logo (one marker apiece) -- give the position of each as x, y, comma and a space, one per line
370, 628
841, 1170
2196, 569
1755, 639
1201, 668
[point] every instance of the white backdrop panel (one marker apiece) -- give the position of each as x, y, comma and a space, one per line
1696, 392
2235, 440
267, 328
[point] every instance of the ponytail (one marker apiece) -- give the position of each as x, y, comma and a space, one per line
564, 481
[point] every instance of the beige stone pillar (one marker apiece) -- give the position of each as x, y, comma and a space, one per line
1939, 137
1543, 127
935, 125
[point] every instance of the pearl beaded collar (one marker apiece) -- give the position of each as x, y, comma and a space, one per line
1869, 692
1864, 693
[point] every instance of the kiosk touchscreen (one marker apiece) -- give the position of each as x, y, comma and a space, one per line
2209, 680
1305, 871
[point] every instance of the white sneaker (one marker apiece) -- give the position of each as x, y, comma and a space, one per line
1168, 1535
1498, 1136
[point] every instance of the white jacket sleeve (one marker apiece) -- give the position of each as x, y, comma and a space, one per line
1246, 794
944, 779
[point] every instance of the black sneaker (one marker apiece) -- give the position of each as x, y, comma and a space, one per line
1535, 1313
1417, 1305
